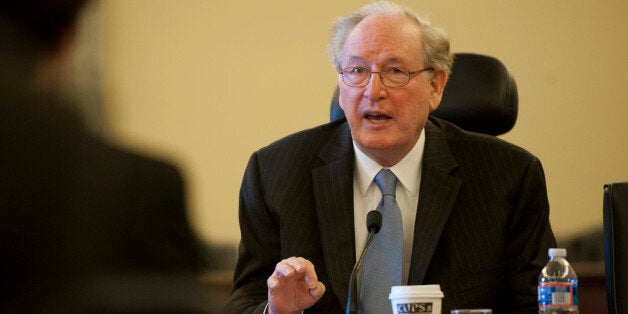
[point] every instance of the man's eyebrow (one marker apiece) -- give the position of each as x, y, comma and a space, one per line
394, 60
387, 61
355, 58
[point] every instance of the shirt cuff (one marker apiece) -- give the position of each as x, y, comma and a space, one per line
266, 309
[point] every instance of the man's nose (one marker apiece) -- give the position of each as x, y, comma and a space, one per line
375, 89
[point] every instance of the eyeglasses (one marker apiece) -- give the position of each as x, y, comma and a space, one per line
390, 77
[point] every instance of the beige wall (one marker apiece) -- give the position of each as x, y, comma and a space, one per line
206, 83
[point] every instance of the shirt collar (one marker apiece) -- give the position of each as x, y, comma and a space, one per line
408, 170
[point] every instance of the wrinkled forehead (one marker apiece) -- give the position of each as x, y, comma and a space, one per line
384, 39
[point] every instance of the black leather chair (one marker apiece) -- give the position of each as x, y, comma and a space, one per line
480, 96
616, 246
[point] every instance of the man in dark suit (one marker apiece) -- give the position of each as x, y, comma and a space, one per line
475, 210
85, 225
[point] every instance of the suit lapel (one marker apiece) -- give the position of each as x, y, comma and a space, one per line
436, 198
333, 189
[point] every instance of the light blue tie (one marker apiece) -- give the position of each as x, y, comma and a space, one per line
382, 262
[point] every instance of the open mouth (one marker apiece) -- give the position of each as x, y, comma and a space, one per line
377, 118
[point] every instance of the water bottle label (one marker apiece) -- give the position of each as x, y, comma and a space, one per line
560, 294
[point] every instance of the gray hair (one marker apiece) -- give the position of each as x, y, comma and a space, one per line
435, 41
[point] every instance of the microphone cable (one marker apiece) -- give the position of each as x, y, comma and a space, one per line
373, 224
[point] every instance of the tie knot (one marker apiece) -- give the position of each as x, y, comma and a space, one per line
386, 181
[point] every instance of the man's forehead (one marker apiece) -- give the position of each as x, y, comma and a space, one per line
386, 25
390, 38
382, 53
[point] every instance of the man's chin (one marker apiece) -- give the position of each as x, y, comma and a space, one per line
376, 146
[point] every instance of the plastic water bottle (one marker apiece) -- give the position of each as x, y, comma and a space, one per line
558, 285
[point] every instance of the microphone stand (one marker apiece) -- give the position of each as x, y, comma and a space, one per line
373, 224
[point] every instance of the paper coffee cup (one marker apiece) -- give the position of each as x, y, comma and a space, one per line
423, 299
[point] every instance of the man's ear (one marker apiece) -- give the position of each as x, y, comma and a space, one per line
339, 93
437, 84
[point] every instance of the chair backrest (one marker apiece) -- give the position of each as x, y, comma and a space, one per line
480, 96
616, 246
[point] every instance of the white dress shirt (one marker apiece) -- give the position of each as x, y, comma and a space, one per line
366, 196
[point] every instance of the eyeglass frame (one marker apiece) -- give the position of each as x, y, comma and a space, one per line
381, 77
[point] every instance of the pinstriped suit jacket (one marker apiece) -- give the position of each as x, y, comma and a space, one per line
482, 228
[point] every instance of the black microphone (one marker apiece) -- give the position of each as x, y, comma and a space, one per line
373, 224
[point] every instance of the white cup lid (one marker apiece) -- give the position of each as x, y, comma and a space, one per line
427, 291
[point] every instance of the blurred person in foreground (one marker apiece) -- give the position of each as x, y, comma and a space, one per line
474, 208
86, 226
